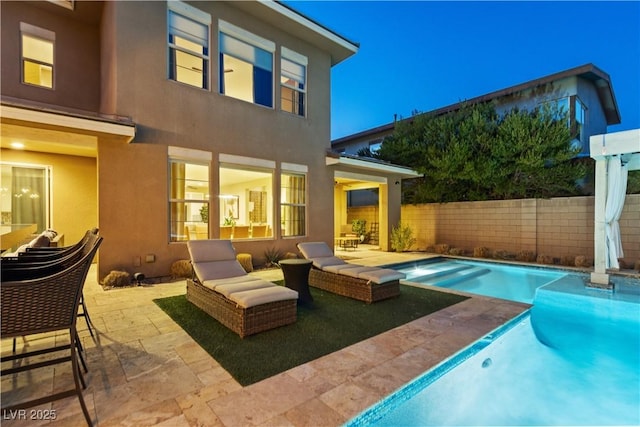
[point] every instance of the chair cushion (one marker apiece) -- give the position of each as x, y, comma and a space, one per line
214, 283
256, 297
337, 268
211, 250
231, 288
323, 262
355, 272
218, 269
311, 250
381, 275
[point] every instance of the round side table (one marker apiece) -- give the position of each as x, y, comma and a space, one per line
296, 277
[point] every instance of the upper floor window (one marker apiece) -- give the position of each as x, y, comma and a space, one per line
293, 72
246, 65
188, 38
37, 55
579, 117
575, 112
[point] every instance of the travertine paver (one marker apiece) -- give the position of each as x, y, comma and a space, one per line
145, 370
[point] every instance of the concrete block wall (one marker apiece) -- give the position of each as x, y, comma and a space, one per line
555, 227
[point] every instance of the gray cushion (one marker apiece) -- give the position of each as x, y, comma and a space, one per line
381, 275
355, 272
311, 250
214, 283
211, 250
231, 288
323, 262
337, 268
218, 269
256, 297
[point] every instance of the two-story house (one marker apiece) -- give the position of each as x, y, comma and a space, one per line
161, 122
585, 93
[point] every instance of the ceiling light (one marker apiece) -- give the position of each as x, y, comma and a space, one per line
17, 145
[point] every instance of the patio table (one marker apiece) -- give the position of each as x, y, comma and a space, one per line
296, 277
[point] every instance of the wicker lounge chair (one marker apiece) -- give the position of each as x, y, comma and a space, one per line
369, 284
41, 305
222, 288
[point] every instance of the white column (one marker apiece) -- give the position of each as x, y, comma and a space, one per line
599, 275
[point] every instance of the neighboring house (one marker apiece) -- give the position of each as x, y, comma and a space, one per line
161, 122
584, 92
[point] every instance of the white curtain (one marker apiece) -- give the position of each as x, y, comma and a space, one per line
616, 191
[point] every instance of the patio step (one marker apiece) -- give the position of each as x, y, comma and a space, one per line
457, 277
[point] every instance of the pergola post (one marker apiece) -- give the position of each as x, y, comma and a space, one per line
599, 275
625, 144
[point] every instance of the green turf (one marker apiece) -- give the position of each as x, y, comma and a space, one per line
332, 322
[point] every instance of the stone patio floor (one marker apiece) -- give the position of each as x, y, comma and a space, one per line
144, 370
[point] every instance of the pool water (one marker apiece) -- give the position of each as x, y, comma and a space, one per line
573, 359
515, 283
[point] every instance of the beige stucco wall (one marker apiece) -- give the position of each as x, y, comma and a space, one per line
133, 185
74, 190
555, 227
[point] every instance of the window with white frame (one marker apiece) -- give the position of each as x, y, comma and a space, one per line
293, 77
37, 55
188, 195
188, 41
246, 198
246, 65
293, 204
25, 191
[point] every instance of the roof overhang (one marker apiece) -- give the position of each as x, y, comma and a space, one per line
284, 17
370, 166
625, 143
53, 131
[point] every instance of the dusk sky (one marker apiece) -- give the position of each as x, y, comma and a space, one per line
423, 55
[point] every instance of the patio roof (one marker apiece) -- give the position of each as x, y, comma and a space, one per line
44, 128
369, 165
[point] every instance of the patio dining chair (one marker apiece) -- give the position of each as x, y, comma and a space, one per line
44, 305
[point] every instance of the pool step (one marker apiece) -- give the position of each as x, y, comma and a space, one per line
430, 272
457, 277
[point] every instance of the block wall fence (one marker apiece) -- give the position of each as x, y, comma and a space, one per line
554, 227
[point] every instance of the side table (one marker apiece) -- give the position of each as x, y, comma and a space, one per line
296, 277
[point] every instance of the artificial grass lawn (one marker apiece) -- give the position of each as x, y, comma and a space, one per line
332, 322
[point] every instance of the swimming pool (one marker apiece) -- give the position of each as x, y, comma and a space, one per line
512, 282
573, 359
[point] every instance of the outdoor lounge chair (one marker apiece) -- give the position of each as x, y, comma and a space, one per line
223, 289
369, 284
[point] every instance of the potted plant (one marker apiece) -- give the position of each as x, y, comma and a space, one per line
358, 228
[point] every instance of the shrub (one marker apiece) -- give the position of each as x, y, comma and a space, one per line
502, 254
117, 279
582, 261
181, 269
442, 248
526, 256
272, 256
481, 252
637, 266
456, 251
544, 259
568, 260
402, 238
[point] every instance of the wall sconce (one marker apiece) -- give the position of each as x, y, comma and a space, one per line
397, 182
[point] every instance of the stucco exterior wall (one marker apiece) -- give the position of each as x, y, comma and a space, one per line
555, 227
133, 185
76, 82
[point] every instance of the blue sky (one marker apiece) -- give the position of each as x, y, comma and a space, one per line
423, 55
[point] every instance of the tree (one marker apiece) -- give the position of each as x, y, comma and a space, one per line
475, 154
